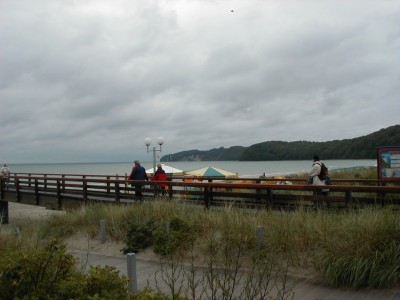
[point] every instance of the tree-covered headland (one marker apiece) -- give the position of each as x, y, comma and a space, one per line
363, 147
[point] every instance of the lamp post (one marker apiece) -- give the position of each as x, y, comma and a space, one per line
160, 141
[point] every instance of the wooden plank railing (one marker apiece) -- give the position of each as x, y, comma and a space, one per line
64, 189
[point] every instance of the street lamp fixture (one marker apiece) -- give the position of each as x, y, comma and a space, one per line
160, 141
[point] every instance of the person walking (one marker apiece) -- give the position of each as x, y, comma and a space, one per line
138, 173
314, 178
160, 175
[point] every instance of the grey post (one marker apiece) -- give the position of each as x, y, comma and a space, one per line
260, 237
168, 228
103, 231
131, 261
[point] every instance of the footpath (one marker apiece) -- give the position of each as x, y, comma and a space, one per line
148, 272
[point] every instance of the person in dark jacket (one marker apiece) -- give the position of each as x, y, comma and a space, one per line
160, 175
138, 173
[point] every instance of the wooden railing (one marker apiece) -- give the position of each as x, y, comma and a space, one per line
64, 191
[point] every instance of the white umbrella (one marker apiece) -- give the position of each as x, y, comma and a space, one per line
168, 170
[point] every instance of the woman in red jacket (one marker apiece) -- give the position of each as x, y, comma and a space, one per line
160, 175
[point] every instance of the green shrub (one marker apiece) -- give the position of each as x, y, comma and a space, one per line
48, 272
138, 236
98, 283
149, 294
106, 283
34, 272
180, 235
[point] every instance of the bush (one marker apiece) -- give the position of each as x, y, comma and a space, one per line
148, 294
180, 235
35, 272
138, 236
105, 282
48, 272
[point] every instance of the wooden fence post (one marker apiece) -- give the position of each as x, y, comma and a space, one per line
84, 192
37, 192
59, 202
169, 185
258, 191
4, 212
117, 197
17, 192
270, 197
382, 199
2, 188
348, 199
108, 185
207, 197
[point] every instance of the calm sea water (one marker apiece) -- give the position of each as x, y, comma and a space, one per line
243, 168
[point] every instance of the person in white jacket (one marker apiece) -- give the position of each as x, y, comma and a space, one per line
314, 179
5, 173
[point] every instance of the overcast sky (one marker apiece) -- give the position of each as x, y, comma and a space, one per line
88, 81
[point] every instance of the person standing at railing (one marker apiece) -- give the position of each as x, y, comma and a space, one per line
138, 173
5, 174
160, 175
314, 178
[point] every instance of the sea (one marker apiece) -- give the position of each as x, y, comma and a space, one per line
242, 168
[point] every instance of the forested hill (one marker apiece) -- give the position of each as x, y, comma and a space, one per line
232, 153
358, 148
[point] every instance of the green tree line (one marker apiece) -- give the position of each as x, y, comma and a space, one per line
357, 148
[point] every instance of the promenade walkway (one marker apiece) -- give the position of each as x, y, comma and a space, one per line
302, 288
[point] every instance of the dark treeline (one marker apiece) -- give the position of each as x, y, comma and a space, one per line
358, 148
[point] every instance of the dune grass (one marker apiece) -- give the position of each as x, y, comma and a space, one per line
350, 248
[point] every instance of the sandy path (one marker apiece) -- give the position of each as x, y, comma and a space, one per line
22, 213
17, 212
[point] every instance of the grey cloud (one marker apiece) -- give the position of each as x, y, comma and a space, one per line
88, 81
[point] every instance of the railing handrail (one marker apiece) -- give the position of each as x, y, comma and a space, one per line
221, 184
188, 178
37, 189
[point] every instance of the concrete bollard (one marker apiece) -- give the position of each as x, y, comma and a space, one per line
131, 264
168, 228
260, 237
103, 231
18, 231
